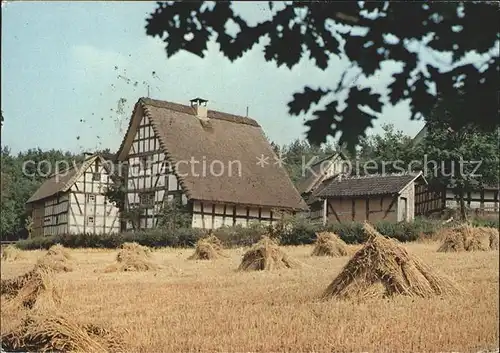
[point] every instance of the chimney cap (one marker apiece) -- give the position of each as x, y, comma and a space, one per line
198, 100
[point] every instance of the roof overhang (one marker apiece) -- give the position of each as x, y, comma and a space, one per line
322, 198
81, 168
135, 120
417, 176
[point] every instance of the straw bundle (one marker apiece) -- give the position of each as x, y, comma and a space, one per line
493, 238
47, 332
133, 257
27, 290
136, 249
11, 253
57, 259
266, 255
329, 244
35, 323
11, 286
490, 236
208, 249
384, 268
467, 238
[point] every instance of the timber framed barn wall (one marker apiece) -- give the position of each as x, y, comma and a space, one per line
73, 202
373, 198
55, 219
373, 208
37, 215
150, 178
428, 200
212, 215
482, 200
162, 136
89, 210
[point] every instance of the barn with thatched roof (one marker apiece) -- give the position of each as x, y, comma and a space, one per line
221, 166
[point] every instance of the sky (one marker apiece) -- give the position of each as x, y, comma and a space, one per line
65, 67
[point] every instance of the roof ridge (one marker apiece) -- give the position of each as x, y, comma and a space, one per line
81, 168
71, 167
186, 109
371, 184
74, 165
328, 158
379, 175
373, 176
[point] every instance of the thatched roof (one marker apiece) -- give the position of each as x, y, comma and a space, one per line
62, 181
226, 138
368, 185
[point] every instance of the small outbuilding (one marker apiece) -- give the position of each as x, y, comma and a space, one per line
373, 198
73, 201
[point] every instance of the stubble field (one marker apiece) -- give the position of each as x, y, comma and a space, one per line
207, 306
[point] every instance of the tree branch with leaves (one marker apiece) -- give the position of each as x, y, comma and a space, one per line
366, 34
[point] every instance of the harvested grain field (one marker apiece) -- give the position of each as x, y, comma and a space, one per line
209, 306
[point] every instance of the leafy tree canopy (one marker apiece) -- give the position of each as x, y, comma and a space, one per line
432, 42
391, 151
468, 157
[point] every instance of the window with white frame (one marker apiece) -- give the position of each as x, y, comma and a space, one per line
96, 176
90, 198
90, 220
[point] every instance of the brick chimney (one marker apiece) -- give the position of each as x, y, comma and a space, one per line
200, 107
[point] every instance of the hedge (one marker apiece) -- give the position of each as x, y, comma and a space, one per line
494, 223
291, 231
303, 231
153, 238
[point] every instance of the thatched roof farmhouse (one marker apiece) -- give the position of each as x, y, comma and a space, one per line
220, 165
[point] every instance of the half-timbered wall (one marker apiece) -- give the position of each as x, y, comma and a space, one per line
37, 216
208, 215
55, 220
428, 200
89, 210
150, 179
485, 200
374, 208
